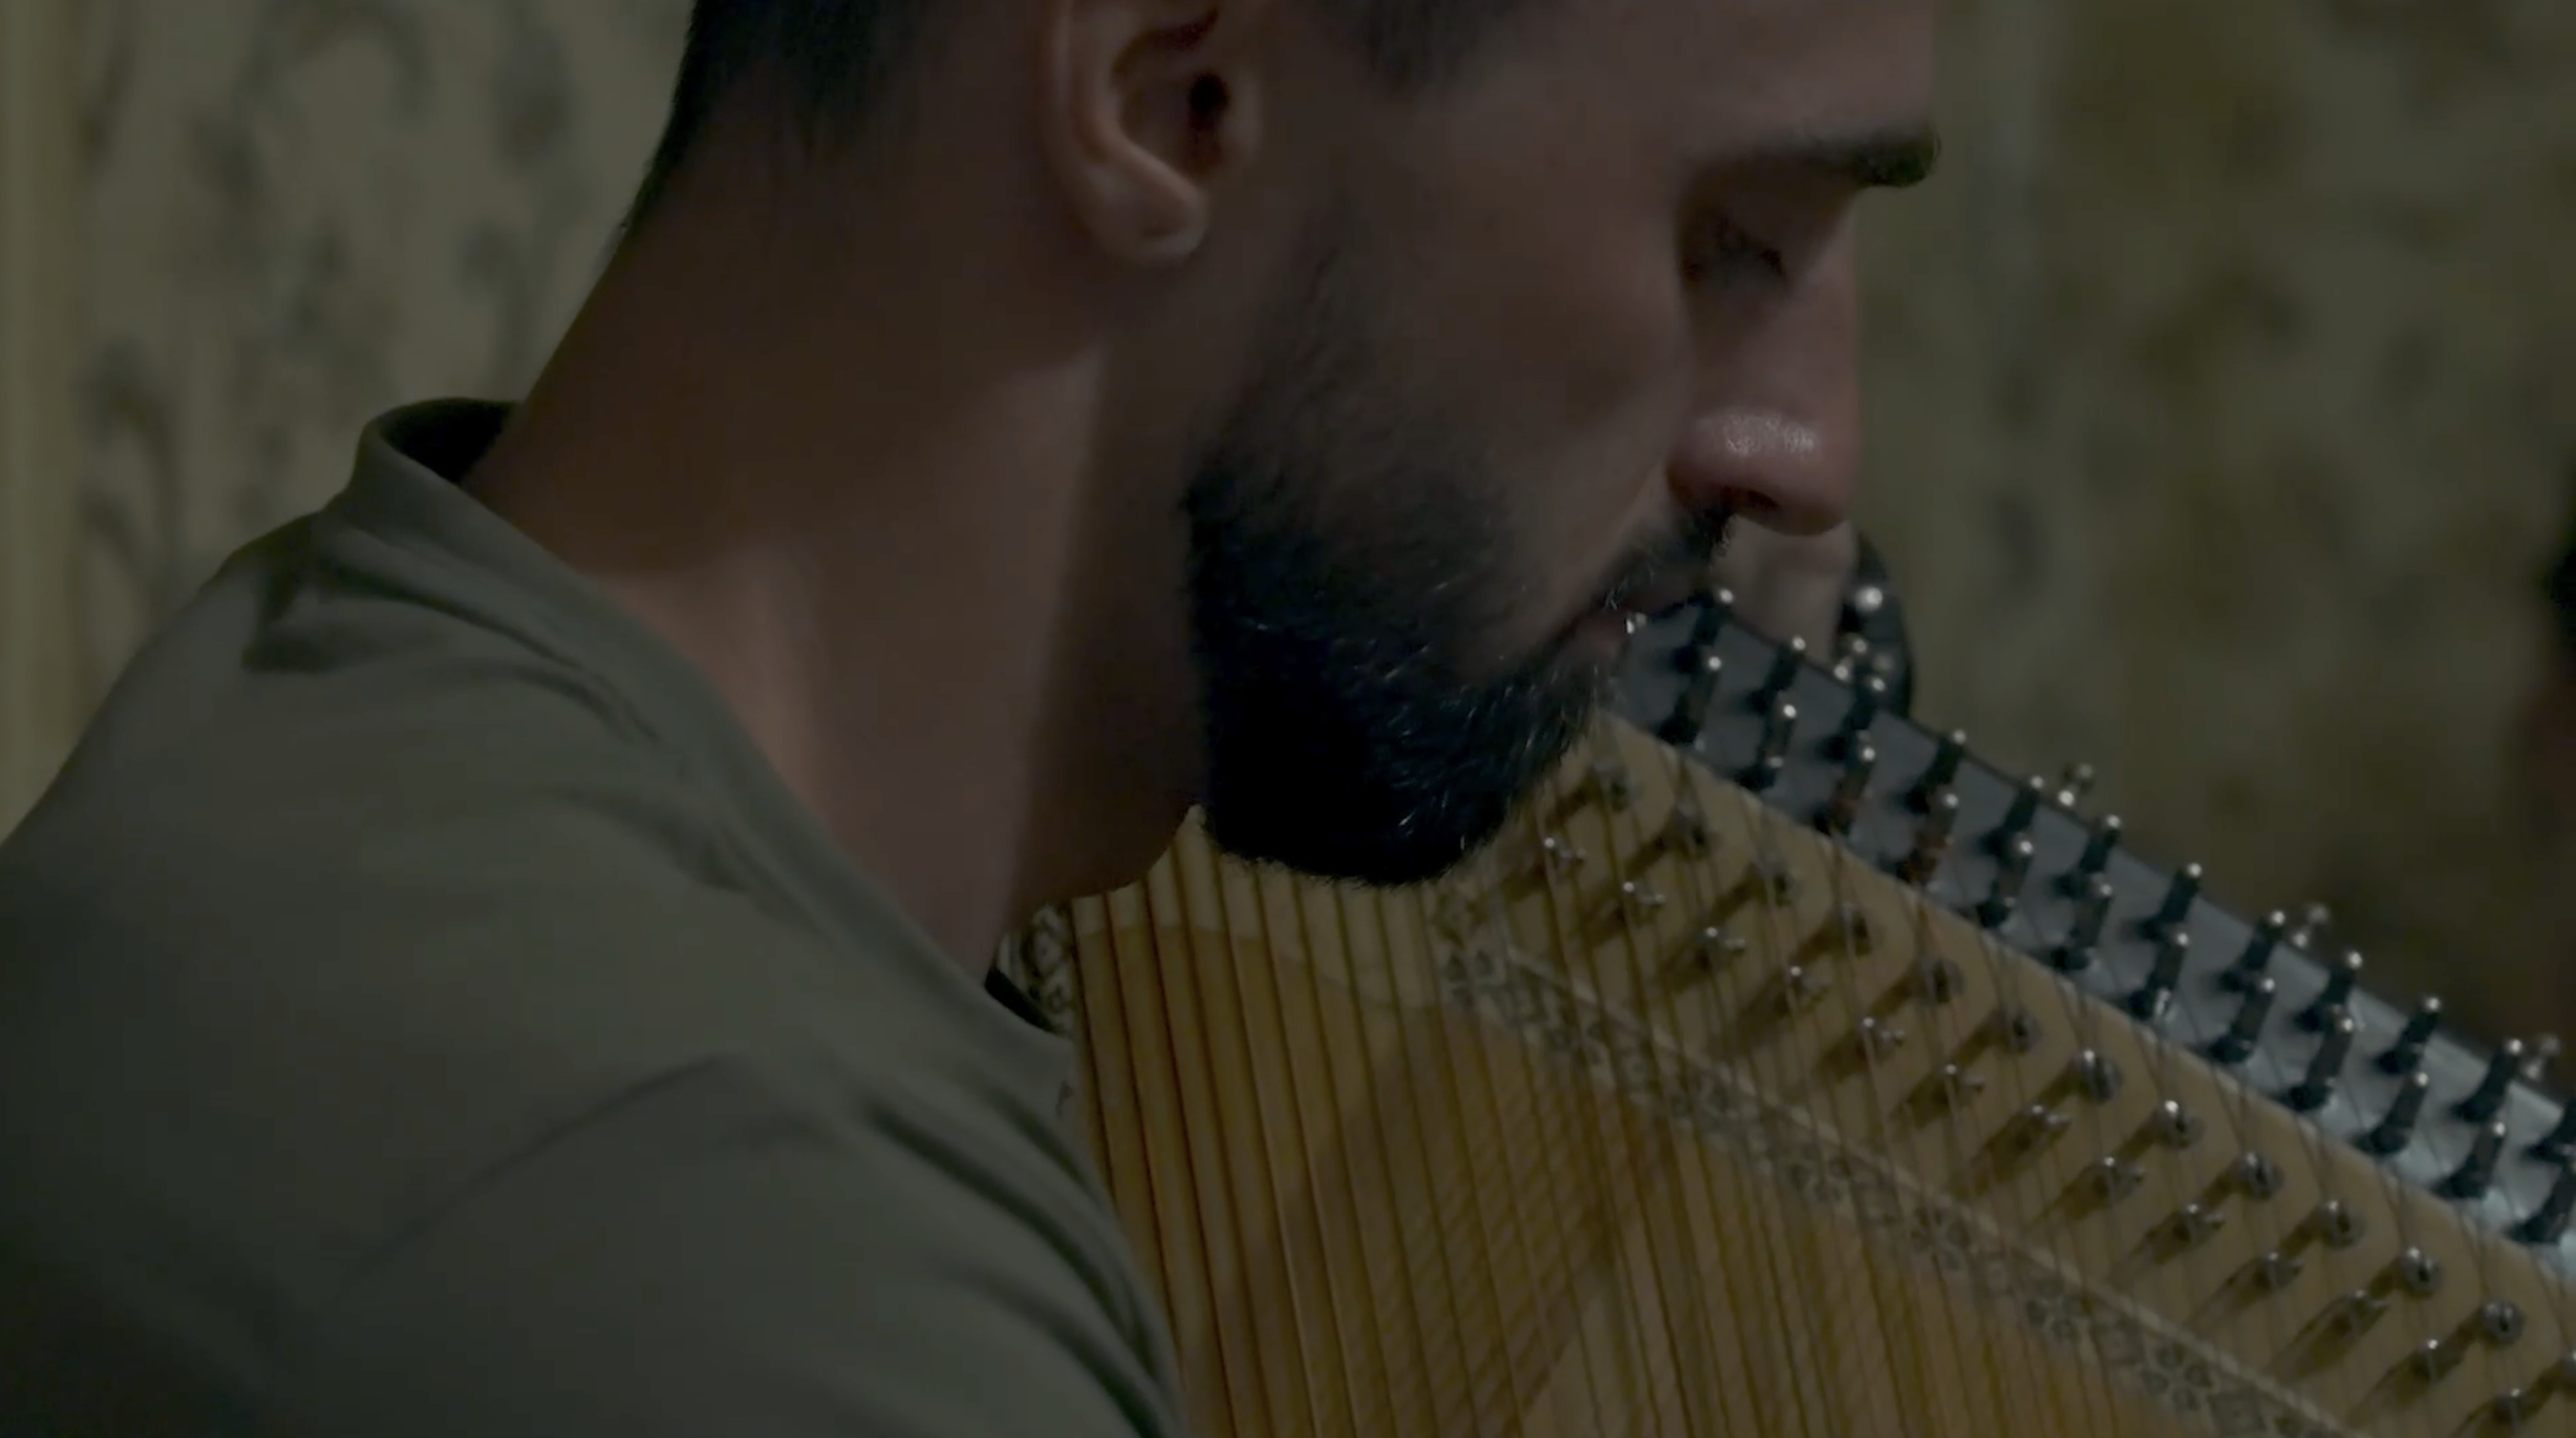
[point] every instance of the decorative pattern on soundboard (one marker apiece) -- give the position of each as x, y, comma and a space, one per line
1039, 959
1541, 1008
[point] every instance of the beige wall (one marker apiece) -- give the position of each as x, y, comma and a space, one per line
2222, 393
41, 699
2224, 403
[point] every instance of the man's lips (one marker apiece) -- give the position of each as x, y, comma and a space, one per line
1677, 582
1654, 601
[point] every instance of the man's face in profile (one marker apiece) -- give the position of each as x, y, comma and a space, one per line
1558, 324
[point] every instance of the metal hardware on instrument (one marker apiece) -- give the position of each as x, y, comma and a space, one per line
1787, 1068
2061, 913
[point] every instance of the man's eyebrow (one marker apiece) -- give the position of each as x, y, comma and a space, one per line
1894, 158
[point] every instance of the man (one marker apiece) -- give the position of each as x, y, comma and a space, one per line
505, 960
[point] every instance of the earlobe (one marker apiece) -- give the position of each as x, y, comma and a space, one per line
1138, 115
1171, 245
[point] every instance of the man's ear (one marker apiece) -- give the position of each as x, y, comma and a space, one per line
1143, 104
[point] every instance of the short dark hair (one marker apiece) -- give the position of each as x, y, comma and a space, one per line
839, 64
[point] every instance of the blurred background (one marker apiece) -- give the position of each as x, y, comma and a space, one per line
2222, 391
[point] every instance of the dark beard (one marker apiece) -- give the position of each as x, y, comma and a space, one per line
1349, 576
1342, 739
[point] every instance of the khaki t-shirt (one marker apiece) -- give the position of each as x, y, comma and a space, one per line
422, 1011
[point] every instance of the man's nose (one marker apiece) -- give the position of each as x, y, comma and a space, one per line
1777, 436
1782, 471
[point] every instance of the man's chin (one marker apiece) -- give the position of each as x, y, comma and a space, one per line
1324, 830
1350, 858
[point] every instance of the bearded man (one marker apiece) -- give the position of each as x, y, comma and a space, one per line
507, 958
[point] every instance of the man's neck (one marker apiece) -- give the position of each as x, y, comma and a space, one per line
894, 571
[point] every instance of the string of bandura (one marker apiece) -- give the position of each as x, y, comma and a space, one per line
1365, 1347
1699, 1183
1563, 1290
2095, 1250
1956, 1367
1441, 1290
1761, 1270
1765, 1011
1422, 1237
1923, 987
1943, 1361
1567, 905
1556, 1234
2271, 1221
1670, 1249
1289, 1377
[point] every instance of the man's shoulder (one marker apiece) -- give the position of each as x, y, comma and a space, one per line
386, 974
314, 962
375, 976
717, 1252
316, 1051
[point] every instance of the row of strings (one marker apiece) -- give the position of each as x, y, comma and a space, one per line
1370, 1213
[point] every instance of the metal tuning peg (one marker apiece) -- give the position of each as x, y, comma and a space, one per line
2476, 1173
2487, 1099
2407, 1053
1609, 782
1786, 661
1868, 697
2326, 1065
2010, 844
1931, 840
2179, 897
2163, 977
2012, 870
2084, 931
2316, 921
1941, 773
2548, 1223
1716, 611
1851, 659
1557, 858
2513, 1410
2096, 856
2494, 1326
2396, 1129
2257, 954
1851, 789
2074, 785
2017, 819
1704, 671
1632, 906
2341, 975
2559, 1144
2256, 1177
2245, 1034
1779, 726
2539, 1059
1686, 833
2096, 1075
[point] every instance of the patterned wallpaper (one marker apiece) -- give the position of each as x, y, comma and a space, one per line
2223, 409
300, 212
2222, 394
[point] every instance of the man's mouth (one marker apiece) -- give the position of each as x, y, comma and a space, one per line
1662, 597
1668, 587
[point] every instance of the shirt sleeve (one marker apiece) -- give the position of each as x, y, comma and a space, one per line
705, 1258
